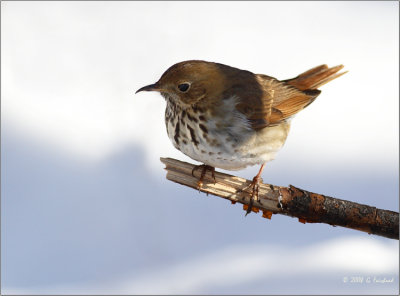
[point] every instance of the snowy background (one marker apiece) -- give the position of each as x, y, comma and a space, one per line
85, 207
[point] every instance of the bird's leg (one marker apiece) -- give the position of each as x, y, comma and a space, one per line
204, 169
255, 185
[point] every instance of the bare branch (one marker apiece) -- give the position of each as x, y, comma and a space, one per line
308, 207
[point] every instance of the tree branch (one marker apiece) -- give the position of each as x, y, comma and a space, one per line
308, 207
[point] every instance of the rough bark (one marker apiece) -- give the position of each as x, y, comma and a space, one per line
307, 206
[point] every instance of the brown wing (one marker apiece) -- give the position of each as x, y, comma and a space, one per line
288, 101
273, 101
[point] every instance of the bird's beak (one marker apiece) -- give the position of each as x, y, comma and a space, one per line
150, 87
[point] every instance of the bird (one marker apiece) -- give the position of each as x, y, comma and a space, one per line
229, 118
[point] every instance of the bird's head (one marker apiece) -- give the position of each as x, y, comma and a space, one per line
189, 82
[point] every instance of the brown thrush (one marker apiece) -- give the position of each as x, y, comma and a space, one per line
229, 118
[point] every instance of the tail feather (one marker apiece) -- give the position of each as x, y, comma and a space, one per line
315, 77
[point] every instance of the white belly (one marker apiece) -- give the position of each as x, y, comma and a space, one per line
233, 147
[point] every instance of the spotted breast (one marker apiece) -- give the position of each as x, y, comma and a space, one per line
226, 142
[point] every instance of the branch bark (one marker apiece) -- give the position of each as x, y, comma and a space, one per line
307, 206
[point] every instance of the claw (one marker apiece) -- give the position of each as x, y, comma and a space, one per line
195, 168
204, 169
254, 193
255, 185
249, 207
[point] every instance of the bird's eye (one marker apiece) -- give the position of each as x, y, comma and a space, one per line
183, 87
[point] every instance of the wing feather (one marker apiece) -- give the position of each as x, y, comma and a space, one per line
269, 101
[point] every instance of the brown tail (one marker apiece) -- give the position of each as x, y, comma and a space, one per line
315, 77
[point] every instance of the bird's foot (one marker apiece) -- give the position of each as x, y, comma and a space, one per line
204, 168
255, 186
